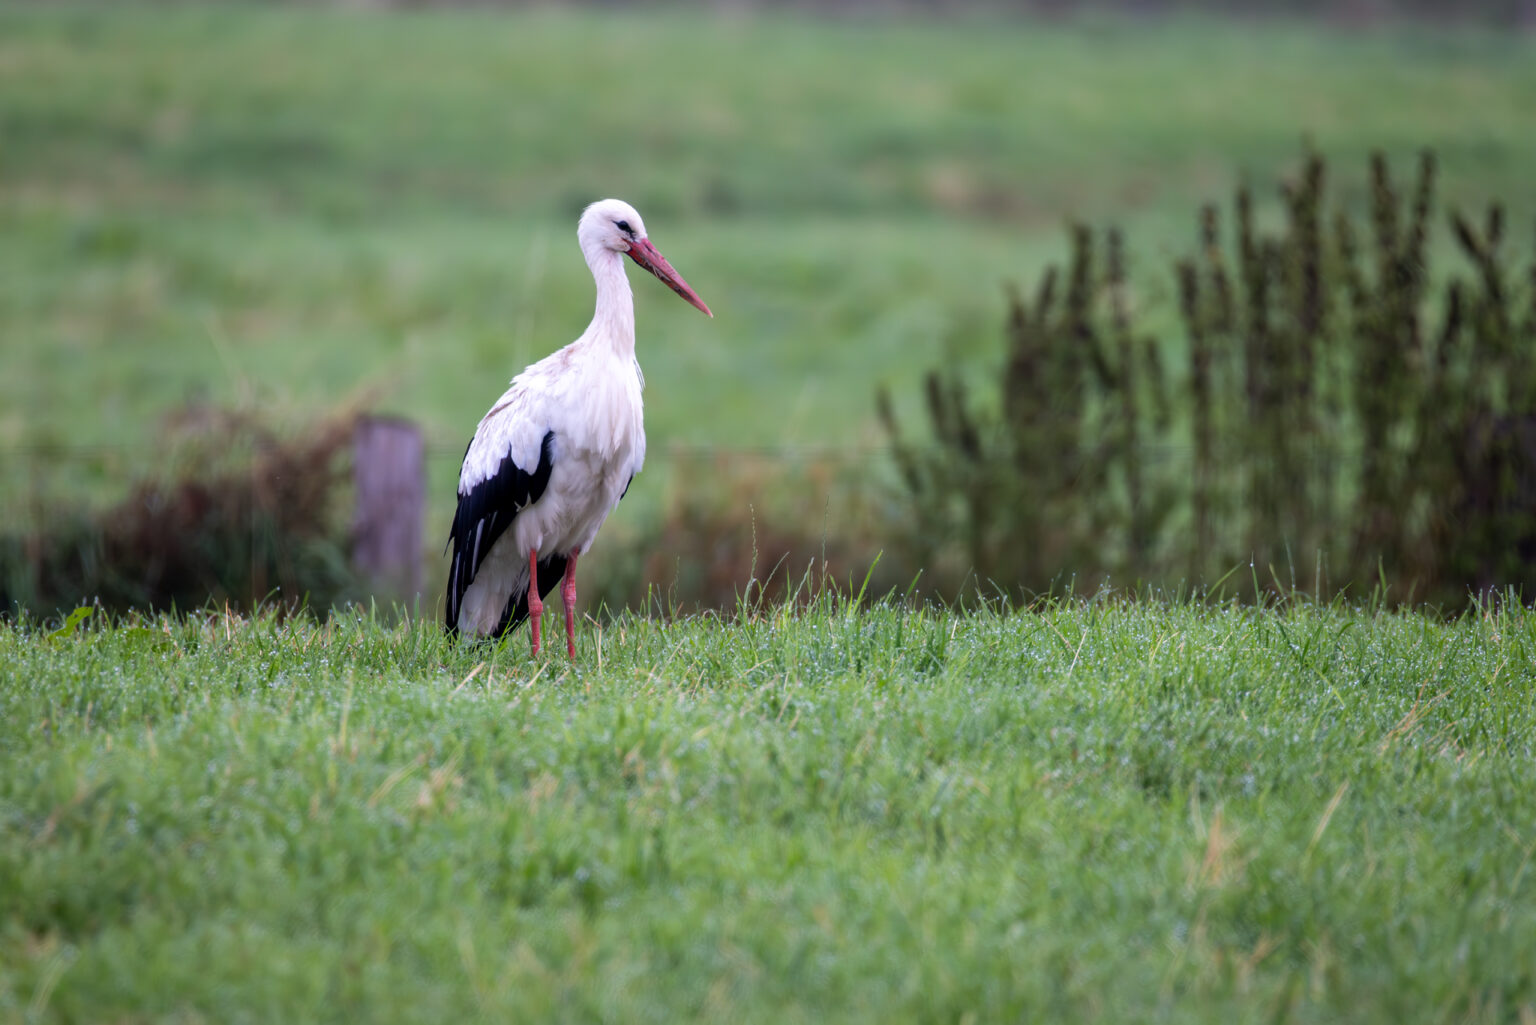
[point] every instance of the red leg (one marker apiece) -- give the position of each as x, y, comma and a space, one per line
568, 592
535, 604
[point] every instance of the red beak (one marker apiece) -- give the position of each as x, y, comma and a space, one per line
645, 254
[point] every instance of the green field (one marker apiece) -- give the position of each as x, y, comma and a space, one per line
1124, 809
1106, 811
290, 207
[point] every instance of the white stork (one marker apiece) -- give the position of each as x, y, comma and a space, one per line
557, 451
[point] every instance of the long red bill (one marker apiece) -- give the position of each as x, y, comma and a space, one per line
645, 254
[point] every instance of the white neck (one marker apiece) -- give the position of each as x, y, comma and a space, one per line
613, 322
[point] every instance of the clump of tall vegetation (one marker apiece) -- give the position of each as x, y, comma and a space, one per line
241, 516
744, 527
1332, 415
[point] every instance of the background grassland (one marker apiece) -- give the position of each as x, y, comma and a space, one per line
1100, 811
289, 206
1089, 811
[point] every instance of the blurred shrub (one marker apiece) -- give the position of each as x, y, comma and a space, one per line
241, 517
1340, 420
743, 526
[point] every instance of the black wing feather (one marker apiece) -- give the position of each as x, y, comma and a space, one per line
484, 514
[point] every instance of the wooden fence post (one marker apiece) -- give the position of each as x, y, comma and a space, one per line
390, 479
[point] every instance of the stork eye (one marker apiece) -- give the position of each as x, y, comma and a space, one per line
624, 227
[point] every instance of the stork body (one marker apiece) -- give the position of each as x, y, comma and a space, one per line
557, 451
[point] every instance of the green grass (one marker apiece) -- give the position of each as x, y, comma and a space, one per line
287, 206
1105, 811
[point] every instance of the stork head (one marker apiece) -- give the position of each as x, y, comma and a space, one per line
612, 224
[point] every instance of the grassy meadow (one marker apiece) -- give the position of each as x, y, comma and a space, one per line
290, 208
1120, 809
1114, 810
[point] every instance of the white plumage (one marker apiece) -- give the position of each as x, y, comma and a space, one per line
557, 451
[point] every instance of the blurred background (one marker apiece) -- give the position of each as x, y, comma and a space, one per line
229, 230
